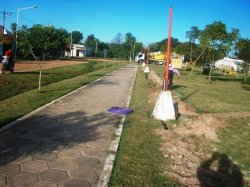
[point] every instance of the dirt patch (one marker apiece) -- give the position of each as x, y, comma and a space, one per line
25, 66
183, 147
184, 108
155, 78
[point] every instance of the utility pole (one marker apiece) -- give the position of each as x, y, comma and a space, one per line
130, 54
95, 48
134, 52
4, 16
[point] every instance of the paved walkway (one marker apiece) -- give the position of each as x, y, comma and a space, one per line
66, 143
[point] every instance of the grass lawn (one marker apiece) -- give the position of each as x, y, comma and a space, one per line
59, 81
139, 161
235, 141
225, 94
20, 82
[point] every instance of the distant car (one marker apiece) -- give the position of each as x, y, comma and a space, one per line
207, 67
140, 58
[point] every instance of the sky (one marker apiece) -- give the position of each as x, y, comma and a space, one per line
147, 20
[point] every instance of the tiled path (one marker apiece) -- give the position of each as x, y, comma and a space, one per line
66, 143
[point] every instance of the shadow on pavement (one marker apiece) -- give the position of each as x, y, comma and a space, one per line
41, 134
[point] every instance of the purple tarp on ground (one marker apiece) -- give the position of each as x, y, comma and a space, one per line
120, 110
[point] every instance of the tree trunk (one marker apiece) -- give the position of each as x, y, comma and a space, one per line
246, 69
40, 66
209, 76
191, 51
40, 76
195, 62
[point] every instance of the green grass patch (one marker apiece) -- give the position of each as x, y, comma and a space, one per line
225, 94
139, 161
235, 141
21, 104
20, 82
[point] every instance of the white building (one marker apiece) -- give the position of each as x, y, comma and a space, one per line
77, 50
229, 63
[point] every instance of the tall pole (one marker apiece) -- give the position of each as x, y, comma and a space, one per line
4, 16
130, 54
168, 48
95, 48
148, 56
17, 18
134, 52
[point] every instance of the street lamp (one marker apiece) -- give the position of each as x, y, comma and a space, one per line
17, 16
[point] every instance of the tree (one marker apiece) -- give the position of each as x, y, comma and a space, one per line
192, 35
128, 44
243, 47
120, 48
92, 42
77, 37
243, 51
118, 39
154, 46
41, 41
129, 38
138, 47
217, 41
13, 28
162, 45
44, 40
216, 37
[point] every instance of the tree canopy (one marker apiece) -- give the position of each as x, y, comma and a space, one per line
44, 40
243, 52
215, 42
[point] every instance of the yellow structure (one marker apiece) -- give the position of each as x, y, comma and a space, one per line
176, 59
231, 72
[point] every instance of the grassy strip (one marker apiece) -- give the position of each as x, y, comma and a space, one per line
20, 82
19, 105
139, 161
235, 141
225, 94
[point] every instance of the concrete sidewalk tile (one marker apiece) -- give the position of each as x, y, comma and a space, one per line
3, 180
88, 161
70, 154
22, 159
42, 184
92, 152
62, 164
85, 173
47, 156
53, 175
10, 169
34, 166
22, 179
77, 183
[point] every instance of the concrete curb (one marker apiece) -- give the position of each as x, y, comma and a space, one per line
50, 103
109, 163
